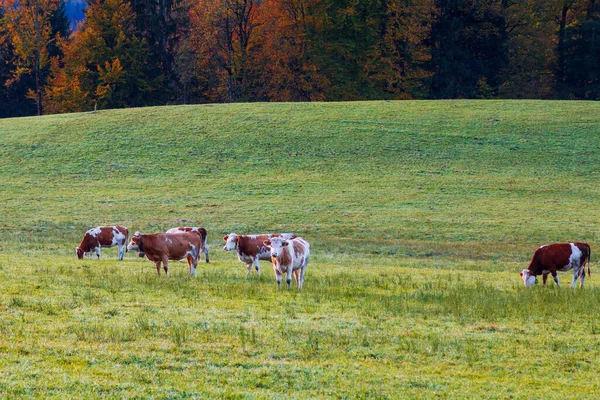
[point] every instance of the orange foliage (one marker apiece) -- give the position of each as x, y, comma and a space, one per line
222, 33
103, 63
29, 31
291, 74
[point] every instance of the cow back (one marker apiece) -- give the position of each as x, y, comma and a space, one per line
174, 246
294, 254
199, 230
253, 246
556, 256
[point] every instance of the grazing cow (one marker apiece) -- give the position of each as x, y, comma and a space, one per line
103, 236
162, 247
250, 248
198, 230
289, 256
558, 257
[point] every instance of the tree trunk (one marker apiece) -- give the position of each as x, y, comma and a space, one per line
562, 51
38, 91
38, 57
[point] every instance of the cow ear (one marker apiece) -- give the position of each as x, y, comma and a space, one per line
225, 237
521, 273
267, 243
285, 243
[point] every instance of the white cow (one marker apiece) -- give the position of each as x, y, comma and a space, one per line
289, 256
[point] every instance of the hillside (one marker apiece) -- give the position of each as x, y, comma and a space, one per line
397, 177
419, 215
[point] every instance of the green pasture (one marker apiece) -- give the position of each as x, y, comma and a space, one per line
419, 214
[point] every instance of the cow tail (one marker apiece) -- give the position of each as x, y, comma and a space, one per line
126, 239
589, 259
204, 236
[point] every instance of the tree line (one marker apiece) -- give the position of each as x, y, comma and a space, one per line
129, 53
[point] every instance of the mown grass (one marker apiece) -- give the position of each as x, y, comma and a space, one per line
419, 215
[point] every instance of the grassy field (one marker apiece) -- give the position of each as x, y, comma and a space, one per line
420, 216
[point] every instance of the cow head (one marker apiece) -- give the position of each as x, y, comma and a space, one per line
80, 253
231, 242
135, 243
276, 244
528, 279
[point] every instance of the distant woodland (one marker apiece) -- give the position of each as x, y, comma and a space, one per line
157, 52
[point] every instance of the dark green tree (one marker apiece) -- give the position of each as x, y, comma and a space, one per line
345, 46
581, 64
468, 47
156, 23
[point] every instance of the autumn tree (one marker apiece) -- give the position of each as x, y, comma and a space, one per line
285, 52
222, 33
105, 63
401, 66
28, 26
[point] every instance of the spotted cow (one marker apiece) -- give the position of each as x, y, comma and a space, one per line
558, 257
199, 230
251, 248
102, 236
162, 247
289, 257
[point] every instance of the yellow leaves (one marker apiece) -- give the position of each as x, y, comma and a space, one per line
111, 72
109, 76
31, 94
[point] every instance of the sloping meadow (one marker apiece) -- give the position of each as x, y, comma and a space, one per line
419, 214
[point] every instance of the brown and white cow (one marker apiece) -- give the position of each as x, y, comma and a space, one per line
162, 247
558, 257
289, 257
251, 248
102, 236
199, 230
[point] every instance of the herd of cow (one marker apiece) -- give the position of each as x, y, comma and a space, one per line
290, 253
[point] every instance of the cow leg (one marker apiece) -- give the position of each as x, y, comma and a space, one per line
302, 271
249, 266
98, 252
165, 262
582, 275
544, 278
121, 251
277, 275
575, 276
158, 267
296, 274
555, 276
205, 251
191, 265
256, 265
288, 277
